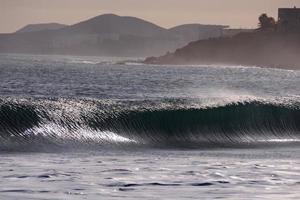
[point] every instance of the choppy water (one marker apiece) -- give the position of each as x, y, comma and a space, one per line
93, 128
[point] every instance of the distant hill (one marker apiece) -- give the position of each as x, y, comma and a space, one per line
192, 32
265, 49
113, 24
198, 31
40, 27
105, 35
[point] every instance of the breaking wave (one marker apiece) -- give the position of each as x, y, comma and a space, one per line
42, 124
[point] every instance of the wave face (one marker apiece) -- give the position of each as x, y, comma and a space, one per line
43, 124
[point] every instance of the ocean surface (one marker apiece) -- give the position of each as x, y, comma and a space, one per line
106, 128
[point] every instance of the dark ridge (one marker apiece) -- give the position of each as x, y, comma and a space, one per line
201, 184
126, 185
129, 185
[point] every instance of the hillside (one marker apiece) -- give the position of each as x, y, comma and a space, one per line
265, 49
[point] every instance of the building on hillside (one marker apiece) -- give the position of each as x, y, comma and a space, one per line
289, 19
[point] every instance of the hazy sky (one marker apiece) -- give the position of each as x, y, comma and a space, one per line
167, 13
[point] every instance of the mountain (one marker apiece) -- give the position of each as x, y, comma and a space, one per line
263, 49
105, 35
40, 27
114, 24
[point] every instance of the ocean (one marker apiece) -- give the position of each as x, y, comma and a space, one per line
76, 127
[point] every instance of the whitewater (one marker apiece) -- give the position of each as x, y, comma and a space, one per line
104, 128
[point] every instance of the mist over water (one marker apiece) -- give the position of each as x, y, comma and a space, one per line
85, 127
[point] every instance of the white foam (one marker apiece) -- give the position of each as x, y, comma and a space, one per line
57, 132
